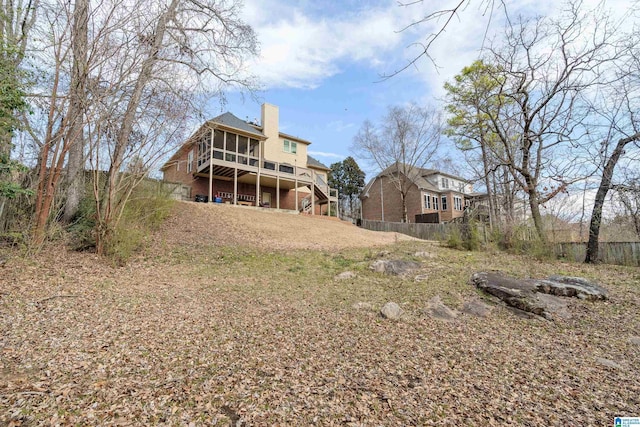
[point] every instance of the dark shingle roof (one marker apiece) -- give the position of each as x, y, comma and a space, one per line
316, 164
228, 119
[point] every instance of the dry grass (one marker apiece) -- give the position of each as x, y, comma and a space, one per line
218, 324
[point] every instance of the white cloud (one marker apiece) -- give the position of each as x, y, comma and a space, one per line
340, 126
325, 154
300, 50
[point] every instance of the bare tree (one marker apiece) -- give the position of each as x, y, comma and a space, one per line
78, 101
149, 67
618, 109
544, 67
406, 139
440, 20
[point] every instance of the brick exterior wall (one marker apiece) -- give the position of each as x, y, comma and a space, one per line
200, 186
177, 172
371, 206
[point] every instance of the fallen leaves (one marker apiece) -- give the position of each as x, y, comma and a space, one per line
160, 342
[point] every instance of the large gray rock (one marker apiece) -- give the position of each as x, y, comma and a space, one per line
536, 296
394, 267
438, 310
566, 286
391, 310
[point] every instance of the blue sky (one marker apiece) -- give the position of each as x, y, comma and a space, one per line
321, 61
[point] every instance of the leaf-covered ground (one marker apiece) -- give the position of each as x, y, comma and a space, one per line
217, 329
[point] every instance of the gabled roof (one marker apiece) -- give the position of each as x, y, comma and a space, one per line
416, 175
311, 162
229, 120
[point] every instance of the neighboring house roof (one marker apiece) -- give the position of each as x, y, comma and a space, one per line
229, 120
416, 175
311, 162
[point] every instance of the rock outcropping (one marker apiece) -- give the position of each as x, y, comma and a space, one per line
542, 297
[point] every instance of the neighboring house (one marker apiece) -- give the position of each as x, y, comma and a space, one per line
251, 164
433, 196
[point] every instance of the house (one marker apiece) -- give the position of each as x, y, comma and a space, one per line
251, 164
432, 196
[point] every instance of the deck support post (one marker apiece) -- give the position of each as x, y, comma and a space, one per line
277, 192
211, 167
313, 198
235, 186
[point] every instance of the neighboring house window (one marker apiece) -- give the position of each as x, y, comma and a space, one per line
445, 183
457, 203
461, 187
190, 161
435, 202
444, 203
290, 147
427, 201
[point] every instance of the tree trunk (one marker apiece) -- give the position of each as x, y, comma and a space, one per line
75, 114
487, 183
534, 205
109, 203
605, 184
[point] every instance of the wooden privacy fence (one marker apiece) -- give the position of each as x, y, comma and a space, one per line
420, 230
621, 253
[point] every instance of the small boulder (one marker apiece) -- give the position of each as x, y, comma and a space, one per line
438, 310
635, 340
608, 363
421, 277
346, 275
424, 254
394, 267
476, 307
362, 306
391, 310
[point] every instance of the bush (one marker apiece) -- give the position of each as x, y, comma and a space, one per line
144, 213
465, 237
454, 241
83, 225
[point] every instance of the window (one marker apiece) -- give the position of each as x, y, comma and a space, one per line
457, 203
435, 202
444, 202
190, 161
427, 201
445, 182
290, 147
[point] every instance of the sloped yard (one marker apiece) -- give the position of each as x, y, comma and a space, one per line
234, 315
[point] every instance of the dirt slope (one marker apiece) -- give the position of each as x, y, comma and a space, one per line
194, 223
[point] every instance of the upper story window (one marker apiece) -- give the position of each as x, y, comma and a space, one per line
290, 147
190, 161
445, 182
